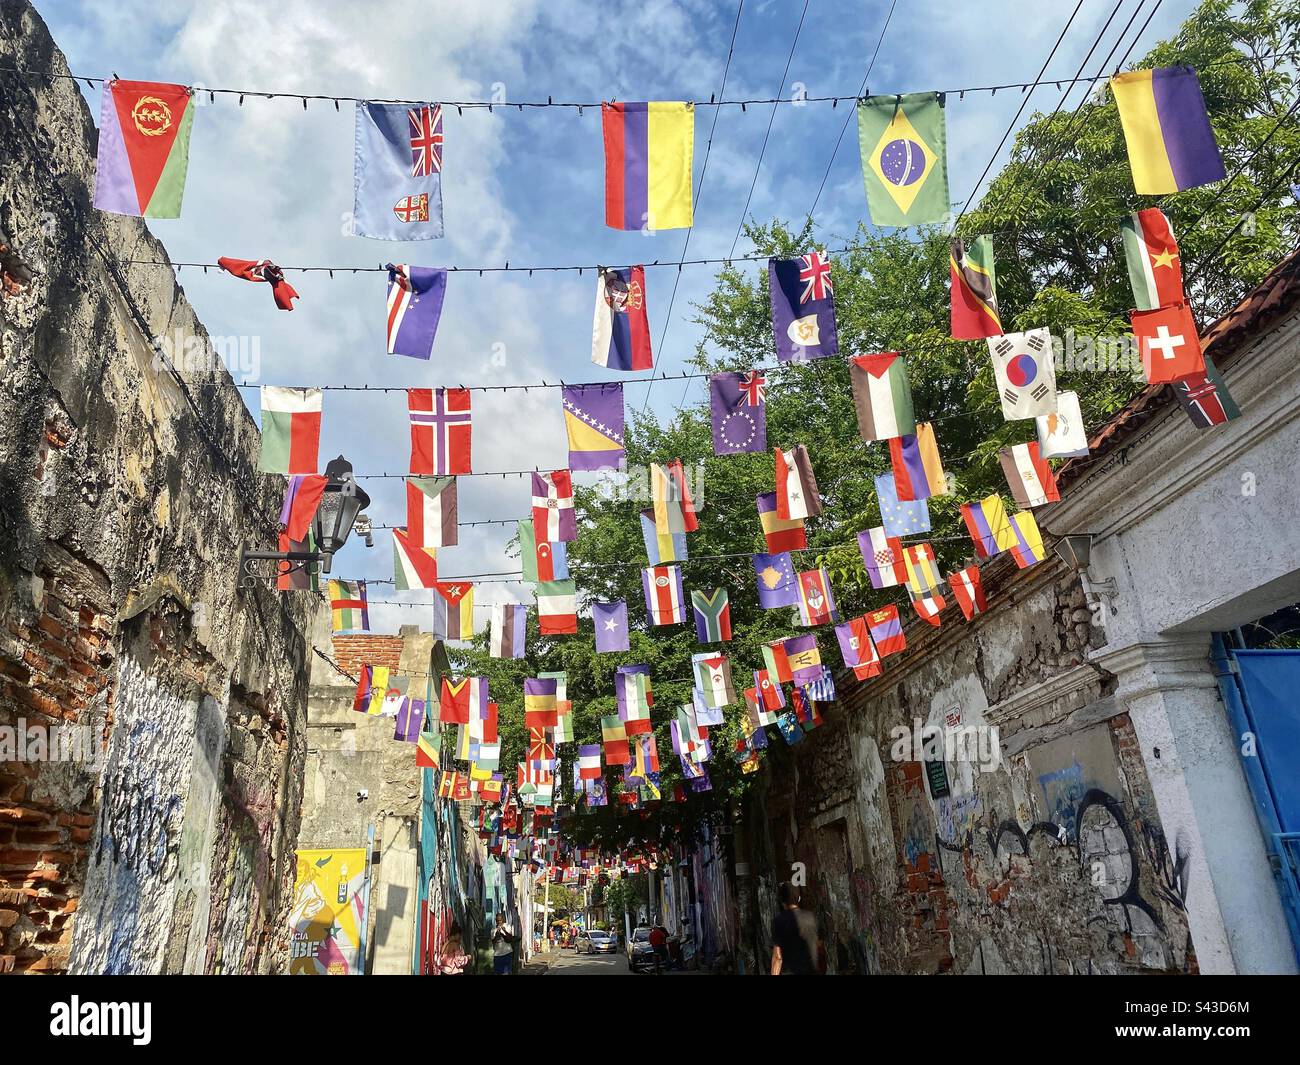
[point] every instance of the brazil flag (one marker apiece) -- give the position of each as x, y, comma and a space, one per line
904, 160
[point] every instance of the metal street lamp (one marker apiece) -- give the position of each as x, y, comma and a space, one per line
1075, 550
338, 513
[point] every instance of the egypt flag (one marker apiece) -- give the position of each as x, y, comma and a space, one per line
144, 145
886, 630
440, 430
796, 487
1026, 376
415, 295
1028, 475
620, 333
431, 512
453, 610
974, 289
413, 566
664, 599
290, 430
918, 470
553, 515
712, 615
969, 591
1154, 268
882, 396
557, 607
858, 650
883, 557
816, 603
1168, 343
781, 534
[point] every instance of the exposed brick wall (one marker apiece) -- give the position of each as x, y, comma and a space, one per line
55, 662
353, 651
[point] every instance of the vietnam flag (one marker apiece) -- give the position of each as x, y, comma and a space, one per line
1169, 344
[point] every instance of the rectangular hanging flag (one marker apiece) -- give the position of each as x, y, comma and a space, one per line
589, 761
803, 307
614, 738
410, 719
1028, 475
440, 430
553, 515
413, 566
882, 556
610, 620
302, 496
463, 700
427, 754
804, 658
882, 396
1167, 131
777, 584
900, 518
669, 515
1028, 548
290, 430
431, 511
540, 702
541, 560
397, 172
776, 661
620, 333
738, 410
649, 155
415, 295
1025, 373
816, 603
664, 598
796, 487
780, 534
859, 652
918, 471
989, 527
904, 158
453, 610
593, 420
144, 147
1205, 398
712, 615
969, 591
1154, 268
661, 547
713, 680
1169, 344
769, 692
509, 630
922, 569
1061, 434
557, 607
348, 606
886, 630
974, 292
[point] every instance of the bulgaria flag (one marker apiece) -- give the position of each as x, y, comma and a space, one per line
290, 430
557, 607
431, 512
413, 566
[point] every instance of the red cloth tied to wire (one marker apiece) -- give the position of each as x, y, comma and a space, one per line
262, 270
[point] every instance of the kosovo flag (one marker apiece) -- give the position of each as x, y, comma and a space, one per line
904, 158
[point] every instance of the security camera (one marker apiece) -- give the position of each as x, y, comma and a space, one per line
362, 794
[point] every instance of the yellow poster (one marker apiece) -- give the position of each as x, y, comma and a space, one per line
328, 914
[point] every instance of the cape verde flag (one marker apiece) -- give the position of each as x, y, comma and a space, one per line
415, 295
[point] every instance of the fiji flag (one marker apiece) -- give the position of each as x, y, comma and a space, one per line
397, 174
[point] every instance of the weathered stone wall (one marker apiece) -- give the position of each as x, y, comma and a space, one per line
126, 491
1046, 857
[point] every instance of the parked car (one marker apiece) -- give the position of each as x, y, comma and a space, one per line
640, 954
596, 942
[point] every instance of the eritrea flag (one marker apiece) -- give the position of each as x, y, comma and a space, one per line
144, 147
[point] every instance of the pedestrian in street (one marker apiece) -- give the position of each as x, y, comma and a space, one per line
659, 943
503, 947
452, 959
794, 936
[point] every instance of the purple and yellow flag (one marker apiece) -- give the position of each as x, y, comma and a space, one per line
1171, 146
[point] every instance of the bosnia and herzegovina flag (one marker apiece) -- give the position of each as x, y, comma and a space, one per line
1167, 130
649, 153
974, 290
144, 147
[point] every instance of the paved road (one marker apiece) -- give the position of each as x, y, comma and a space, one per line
567, 963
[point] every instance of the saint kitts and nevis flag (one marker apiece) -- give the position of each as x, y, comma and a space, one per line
144, 145
649, 153
974, 295
290, 430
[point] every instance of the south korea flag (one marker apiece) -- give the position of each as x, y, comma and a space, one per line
1026, 377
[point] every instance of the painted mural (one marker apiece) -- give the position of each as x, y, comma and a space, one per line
328, 916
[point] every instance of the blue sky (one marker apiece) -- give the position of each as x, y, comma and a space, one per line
270, 180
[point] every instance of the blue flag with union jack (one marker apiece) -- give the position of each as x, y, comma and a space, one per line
398, 172
803, 307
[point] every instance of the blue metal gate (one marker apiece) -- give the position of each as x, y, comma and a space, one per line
1261, 689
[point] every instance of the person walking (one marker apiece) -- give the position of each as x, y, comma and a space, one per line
503, 947
794, 936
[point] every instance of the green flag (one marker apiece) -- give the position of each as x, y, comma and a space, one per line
904, 158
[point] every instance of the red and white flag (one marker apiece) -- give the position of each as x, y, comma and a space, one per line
1168, 343
929, 607
968, 589
1028, 475
796, 487
440, 430
663, 594
554, 519
431, 512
